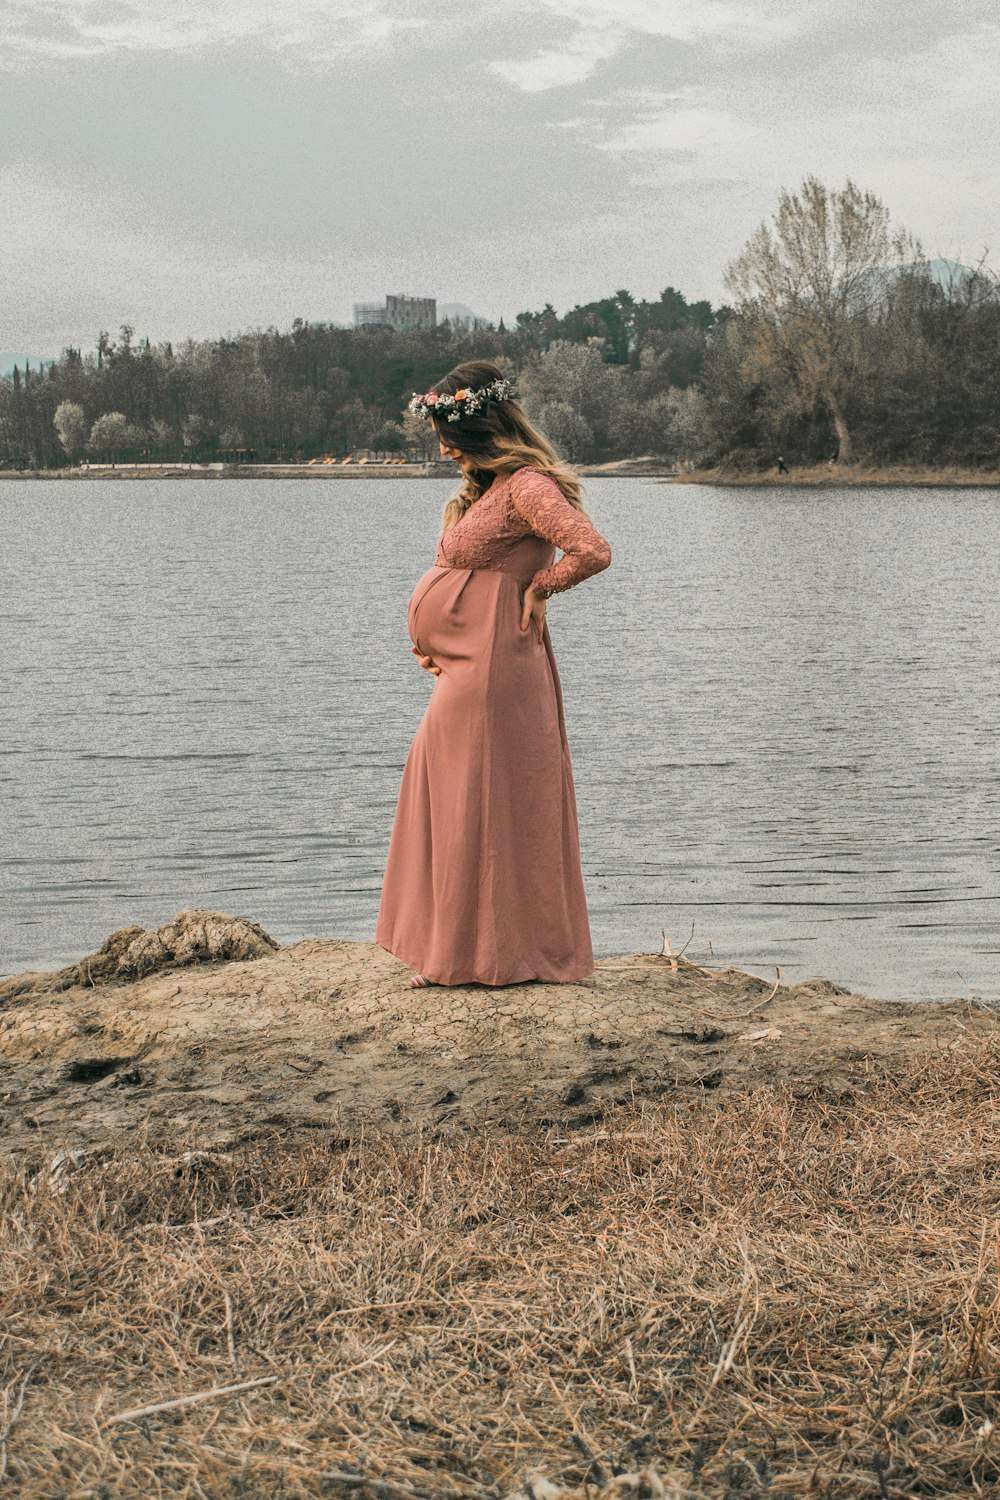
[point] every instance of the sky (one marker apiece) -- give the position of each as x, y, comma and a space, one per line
204, 167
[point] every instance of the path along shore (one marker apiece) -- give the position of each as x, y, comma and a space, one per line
821, 476
365, 469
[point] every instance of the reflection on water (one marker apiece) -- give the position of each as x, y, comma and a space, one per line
782, 707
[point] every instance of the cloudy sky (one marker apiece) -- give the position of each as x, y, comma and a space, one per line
206, 166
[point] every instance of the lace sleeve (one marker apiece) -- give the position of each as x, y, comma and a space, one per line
543, 505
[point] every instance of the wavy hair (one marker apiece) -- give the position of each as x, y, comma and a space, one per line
499, 439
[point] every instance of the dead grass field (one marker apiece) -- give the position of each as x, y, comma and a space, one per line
754, 1295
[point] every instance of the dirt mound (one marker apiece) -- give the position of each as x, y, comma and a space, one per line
193, 937
324, 1035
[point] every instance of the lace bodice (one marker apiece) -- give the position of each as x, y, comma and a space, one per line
515, 527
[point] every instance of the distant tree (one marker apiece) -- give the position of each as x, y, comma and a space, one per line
109, 435
198, 433
805, 285
71, 428
689, 432
160, 435
418, 436
389, 437
620, 313
754, 410
673, 311
566, 429
539, 328
576, 376
362, 424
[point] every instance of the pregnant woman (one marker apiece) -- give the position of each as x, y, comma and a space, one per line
483, 881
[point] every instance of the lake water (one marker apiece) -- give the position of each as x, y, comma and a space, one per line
782, 708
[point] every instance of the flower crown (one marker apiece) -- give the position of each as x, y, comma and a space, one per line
464, 402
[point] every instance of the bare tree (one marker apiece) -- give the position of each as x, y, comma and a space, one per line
807, 284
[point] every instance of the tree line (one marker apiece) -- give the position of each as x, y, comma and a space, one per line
841, 341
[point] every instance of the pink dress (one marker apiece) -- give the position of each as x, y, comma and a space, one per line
483, 880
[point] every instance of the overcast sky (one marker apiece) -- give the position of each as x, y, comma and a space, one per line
199, 167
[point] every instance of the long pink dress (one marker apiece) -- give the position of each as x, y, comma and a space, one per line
483, 880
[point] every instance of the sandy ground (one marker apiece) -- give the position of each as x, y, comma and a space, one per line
324, 1035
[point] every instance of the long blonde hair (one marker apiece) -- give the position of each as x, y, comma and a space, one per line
500, 439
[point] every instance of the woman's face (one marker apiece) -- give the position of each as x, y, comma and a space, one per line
455, 454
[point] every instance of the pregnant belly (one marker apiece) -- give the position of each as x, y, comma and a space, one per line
455, 613
468, 621
426, 618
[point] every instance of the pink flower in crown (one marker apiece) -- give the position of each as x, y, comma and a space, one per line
431, 398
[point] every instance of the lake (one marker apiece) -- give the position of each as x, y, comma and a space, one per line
782, 708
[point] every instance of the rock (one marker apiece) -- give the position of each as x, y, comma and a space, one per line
193, 937
644, 1484
63, 1164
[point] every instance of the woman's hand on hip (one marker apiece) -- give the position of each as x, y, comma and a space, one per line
533, 609
426, 662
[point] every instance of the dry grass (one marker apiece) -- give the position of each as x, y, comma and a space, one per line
855, 475
764, 1297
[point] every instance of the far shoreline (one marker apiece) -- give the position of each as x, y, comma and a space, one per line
848, 476
816, 476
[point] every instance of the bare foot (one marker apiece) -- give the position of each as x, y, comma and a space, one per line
419, 982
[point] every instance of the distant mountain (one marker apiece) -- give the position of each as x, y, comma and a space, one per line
8, 361
949, 274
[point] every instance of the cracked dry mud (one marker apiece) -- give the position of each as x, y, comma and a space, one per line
324, 1035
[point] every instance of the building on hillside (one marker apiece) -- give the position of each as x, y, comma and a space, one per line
366, 313
399, 312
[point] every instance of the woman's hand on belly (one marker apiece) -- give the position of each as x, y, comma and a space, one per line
426, 662
533, 609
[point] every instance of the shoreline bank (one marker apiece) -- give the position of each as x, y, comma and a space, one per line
820, 476
209, 1024
372, 470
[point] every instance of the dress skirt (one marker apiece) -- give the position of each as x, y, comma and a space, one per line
483, 880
